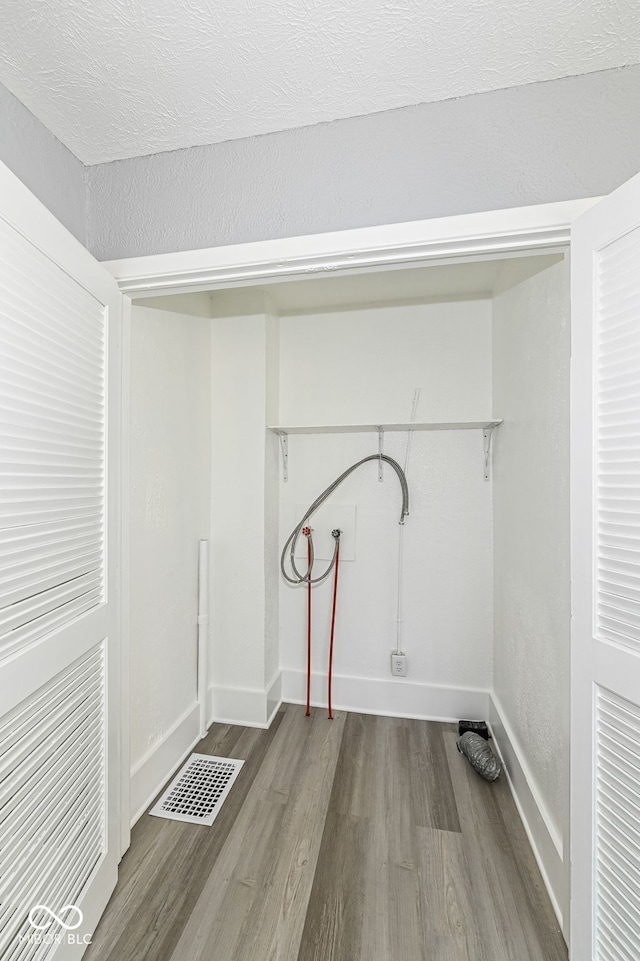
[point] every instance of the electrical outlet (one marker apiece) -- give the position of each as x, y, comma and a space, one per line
399, 665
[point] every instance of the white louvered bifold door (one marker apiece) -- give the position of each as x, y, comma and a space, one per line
605, 776
60, 333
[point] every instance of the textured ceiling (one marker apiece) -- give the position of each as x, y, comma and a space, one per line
123, 78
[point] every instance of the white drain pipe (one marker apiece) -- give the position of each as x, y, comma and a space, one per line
399, 648
203, 632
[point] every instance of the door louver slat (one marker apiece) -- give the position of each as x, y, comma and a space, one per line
18, 327
27, 818
53, 551
617, 813
26, 717
71, 297
52, 822
52, 447
69, 301
617, 415
47, 362
57, 736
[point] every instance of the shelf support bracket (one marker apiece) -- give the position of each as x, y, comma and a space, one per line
284, 447
380, 452
487, 436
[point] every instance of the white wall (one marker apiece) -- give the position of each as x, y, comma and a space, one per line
531, 550
169, 512
363, 366
244, 523
531, 144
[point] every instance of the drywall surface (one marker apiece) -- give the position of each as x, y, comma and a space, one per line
363, 366
531, 529
197, 304
43, 164
170, 497
244, 521
543, 142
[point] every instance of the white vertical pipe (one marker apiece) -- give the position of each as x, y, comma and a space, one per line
414, 408
203, 632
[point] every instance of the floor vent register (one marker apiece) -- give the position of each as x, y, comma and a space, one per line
198, 791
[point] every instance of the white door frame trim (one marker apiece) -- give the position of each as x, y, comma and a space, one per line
544, 228
125, 594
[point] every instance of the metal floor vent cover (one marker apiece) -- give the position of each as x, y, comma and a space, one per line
198, 789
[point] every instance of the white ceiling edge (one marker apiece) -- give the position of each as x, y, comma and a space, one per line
91, 156
249, 129
252, 132
114, 79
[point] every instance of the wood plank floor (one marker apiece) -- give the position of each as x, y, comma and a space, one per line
359, 839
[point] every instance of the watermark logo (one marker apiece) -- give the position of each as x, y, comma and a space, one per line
51, 916
69, 918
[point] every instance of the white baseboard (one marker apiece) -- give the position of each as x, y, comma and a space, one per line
544, 836
236, 705
274, 697
245, 706
392, 697
152, 771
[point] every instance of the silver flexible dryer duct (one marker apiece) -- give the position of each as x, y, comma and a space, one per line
295, 533
479, 755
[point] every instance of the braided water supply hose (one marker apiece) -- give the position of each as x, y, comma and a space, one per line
290, 544
308, 579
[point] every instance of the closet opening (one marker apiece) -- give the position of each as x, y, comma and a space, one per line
246, 403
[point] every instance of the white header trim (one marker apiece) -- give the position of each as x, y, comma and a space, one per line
543, 228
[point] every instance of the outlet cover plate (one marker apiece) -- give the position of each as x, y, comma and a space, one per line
399, 665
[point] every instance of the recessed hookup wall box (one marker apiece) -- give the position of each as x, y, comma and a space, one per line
323, 521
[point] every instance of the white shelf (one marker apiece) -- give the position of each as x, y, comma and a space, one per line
385, 428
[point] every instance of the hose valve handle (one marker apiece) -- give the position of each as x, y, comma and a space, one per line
306, 531
336, 533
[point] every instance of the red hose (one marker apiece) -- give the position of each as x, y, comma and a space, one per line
333, 625
308, 623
